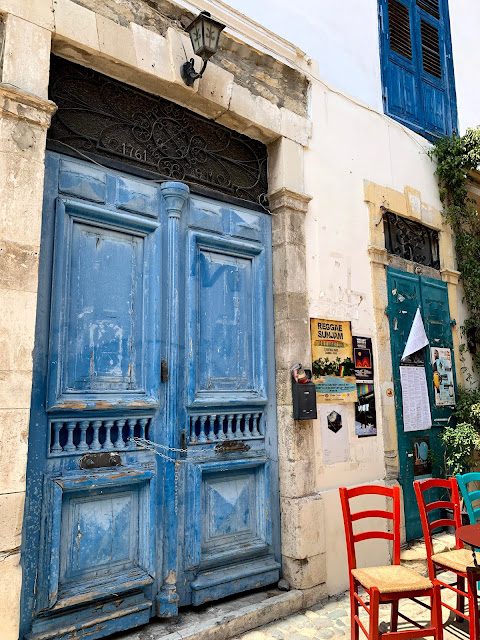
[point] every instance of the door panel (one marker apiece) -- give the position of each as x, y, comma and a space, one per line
407, 292
103, 536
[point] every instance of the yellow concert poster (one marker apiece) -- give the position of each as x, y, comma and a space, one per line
333, 369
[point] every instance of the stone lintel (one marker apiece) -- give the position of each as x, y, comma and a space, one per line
288, 199
15, 103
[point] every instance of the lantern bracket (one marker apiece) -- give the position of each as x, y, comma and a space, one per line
189, 75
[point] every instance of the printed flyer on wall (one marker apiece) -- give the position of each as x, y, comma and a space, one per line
332, 361
443, 386
363, 359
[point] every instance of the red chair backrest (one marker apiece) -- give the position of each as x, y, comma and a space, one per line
426, 508
349, 518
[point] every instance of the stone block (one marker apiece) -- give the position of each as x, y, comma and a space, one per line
314, 595
296, 478
216, 86
10, 588
116, 41
152, 52
26, 56
290, 306
21, 195
305, 574
285, 165
303, 530
38, 12
15, 389
13, 449
284, 389
295, 127
180, 49
20, 137
289, 269
17, 328
252, 115
292, 343
295, 438
11, 518
18, 266
76, 24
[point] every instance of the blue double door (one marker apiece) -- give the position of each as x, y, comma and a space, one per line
152, 476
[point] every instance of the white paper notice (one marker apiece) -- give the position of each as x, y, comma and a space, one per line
335, 444
417, 338
415, 401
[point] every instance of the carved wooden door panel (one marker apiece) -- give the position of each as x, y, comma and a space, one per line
91, 559
230, 503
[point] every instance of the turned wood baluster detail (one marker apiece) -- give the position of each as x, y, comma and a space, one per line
82, 445
193, 432
211, 422
221, 433
255, 430
120, 442
246, 430
203, 436
229, 434
131, 422
56, 448
95, 446
70, 428
238, 431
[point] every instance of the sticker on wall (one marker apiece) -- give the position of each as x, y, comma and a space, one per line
443, 385
422, 464
363, 359
332, 361
365, 415
335, 446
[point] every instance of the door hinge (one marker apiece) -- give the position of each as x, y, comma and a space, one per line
164, 371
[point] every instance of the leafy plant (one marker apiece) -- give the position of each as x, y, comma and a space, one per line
455, 157
461, 443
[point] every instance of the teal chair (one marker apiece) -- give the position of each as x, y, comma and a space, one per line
469, 497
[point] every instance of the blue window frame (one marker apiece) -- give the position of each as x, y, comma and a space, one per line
417, 66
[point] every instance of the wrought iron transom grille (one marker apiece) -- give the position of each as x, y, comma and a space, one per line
411, 240
102, 116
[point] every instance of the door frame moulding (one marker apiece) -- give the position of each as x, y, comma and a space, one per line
409, 205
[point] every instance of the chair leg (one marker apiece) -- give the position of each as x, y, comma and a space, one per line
473, 606
460, 599
374, 610
436, 619
355, 631
394, 616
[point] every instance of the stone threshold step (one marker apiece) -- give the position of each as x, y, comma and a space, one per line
228, 618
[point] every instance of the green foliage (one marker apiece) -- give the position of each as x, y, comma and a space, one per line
456, 156
467, 408
460, 444
337, 367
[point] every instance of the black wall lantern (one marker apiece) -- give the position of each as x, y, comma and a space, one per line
204, 33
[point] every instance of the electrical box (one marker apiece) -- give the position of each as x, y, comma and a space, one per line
304, 397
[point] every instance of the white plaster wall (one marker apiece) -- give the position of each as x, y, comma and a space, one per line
465, 26
343, 38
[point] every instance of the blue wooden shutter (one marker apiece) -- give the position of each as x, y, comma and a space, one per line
437, 84
417, 67
401, 82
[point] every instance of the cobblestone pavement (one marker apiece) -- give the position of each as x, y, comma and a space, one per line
331, 621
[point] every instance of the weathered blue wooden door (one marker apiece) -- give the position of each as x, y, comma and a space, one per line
408, 292
152, 323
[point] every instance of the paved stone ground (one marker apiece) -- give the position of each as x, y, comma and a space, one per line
331, 621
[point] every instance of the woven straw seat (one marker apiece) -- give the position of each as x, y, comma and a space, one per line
391, 579
458, 559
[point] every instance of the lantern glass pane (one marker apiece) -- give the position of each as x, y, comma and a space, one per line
196, 36
211, 35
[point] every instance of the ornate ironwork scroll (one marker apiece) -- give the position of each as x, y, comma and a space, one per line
99, 115
411, 240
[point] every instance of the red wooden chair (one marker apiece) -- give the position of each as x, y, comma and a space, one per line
385, 584
456, 560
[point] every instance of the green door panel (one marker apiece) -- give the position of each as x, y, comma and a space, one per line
406, 293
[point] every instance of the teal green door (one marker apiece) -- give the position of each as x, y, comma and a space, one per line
406, 293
